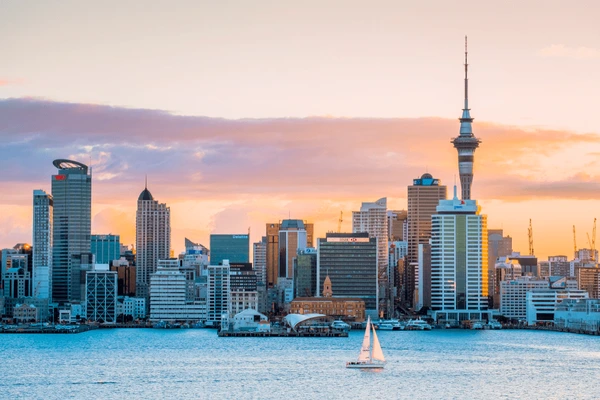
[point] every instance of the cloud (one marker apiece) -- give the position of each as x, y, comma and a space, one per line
560, 50
6, 82
218, 174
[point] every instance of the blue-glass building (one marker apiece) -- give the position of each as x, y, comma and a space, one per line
106, 248
235, 248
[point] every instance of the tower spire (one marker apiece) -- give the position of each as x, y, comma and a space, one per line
466, 143
466, 76
146, 182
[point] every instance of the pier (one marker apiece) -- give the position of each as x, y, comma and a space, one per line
281, 334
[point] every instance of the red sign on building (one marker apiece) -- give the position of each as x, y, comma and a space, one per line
60, 177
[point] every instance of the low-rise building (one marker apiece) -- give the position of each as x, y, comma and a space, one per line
132, 306
542, 303
23, 313
583, 314
346, 308
251, 320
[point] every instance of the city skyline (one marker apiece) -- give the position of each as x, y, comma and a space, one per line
224, 175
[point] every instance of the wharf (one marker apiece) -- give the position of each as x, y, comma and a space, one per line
46, 329
281, 334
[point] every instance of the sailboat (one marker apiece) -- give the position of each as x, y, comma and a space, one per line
370, 356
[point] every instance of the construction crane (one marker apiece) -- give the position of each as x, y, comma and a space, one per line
530, 232
340, 222
592, 243
574, 243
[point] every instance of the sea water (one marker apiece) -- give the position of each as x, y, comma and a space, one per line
196, 364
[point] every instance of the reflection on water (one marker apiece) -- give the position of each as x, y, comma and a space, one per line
196, 364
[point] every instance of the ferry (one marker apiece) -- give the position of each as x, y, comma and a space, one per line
418, 325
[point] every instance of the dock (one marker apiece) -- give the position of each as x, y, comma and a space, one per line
281, 334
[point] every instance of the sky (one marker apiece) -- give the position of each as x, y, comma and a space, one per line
243, 113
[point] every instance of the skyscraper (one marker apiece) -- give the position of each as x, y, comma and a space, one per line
466, 143
350, 261
152, 238
71, 228
292, 237
273, 249
43, 210
423, 197
459, 246
259, 264
372, 218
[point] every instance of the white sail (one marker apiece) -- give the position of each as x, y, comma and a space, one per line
365, 350
377, 352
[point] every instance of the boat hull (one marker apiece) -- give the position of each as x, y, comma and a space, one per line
364, 366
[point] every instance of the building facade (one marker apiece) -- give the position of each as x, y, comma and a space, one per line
259, 261
350, 260
588, 279
152, 237
423, 197
43, 212
106, 248
305, 273
235, 248
71, 228
459, 276
273, 249
218, 296
101, 296
372, 218
292, 237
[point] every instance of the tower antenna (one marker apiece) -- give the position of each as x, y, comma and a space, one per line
146, 182
466, 75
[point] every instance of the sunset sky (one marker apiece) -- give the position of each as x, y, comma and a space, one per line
247, 112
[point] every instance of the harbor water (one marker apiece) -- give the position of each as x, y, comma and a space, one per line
196, 364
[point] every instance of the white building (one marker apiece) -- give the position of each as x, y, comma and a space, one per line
152, 238
372, 218
134, 306
251, 320
259, 264
101, 296
217, 302
43, 207
169, 295
542, 303
581, 314
459, 258
513, 295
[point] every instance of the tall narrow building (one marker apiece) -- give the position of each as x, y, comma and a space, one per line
71, 229
466, 143
459, 273
43, 210
423, 197
152, 238
372, 218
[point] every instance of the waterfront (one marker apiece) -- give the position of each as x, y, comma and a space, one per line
195, 363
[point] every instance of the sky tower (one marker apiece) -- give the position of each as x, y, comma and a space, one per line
466, 142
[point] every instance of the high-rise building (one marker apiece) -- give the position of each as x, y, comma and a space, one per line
588, 279
71, 228
218, 298
372, 218
350, 260
423, 197
273, 248
292, 237
235, 248
459, 276
498, 246
259, 254
106, 248
125, 277
397, 225
305, 273
152, 237
169, 295
16, 271
466, 143
43, 210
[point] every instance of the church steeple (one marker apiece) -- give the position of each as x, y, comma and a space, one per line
327, 292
